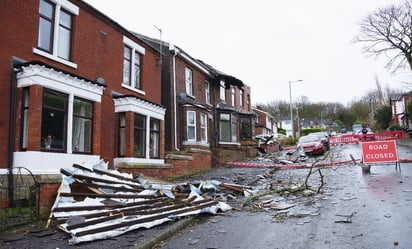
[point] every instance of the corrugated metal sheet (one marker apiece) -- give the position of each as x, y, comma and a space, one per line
97, 203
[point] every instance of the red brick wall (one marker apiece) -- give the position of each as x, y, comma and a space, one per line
97, 49
35, 113
228, 153
48, 194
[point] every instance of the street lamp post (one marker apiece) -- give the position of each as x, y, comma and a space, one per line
290, 105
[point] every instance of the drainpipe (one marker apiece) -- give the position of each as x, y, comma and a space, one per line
174, 100
11, 131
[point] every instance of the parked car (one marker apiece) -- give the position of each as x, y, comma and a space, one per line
356, 128
324, 136
312, 145
279, 135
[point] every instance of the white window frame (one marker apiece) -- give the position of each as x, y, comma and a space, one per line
189, 81
203, 127
222, 91
72, 9
191, 125
207, 92
141, 50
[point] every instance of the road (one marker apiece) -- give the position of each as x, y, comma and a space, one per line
353, 210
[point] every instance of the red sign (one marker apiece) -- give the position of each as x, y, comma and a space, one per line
379, 152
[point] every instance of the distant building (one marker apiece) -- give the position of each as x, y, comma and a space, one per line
399, 105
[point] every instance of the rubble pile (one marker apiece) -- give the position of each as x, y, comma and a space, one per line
96, 203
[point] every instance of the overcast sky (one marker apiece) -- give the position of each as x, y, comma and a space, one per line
268, 43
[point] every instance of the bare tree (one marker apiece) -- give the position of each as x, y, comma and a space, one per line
388, 31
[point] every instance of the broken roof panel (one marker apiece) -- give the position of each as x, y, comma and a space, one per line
97, 203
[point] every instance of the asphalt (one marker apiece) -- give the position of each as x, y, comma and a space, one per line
28, 236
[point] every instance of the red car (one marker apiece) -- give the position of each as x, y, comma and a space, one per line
312, 145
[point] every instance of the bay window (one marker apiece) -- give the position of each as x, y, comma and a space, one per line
203, 127
191, 126
227, 128
82, 125
122, 134
54, 119
154, 138
139, 135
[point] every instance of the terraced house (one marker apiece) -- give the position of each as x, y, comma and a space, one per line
78, 88
209, 119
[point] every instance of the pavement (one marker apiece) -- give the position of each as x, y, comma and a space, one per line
36, 236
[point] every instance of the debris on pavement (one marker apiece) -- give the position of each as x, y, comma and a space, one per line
348, 218
97, 203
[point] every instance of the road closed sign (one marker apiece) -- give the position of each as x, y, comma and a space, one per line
379, 152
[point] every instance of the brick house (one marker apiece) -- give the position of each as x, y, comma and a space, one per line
80, 88
208, 111
77, 88
265, 122
399, 105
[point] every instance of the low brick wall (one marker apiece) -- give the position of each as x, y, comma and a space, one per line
177, 164
228, 153
43, 187
49, 187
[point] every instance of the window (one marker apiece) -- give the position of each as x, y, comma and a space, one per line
191, 126
132, 65
65, 35
25, 115
122, 134
189, 81
203, 127
207, 92
139, 135
54, 118
136, 68
46, 22
154, 138
245, 128
233, 97
127, 62
82, 126
228, 128
224, 127
55, 30
131, 75
222, 91
233, 129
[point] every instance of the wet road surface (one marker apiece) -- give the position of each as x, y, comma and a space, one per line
354, 210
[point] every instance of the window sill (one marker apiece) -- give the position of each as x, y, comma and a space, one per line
133, 89
54, 57
198, 143
230, 143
